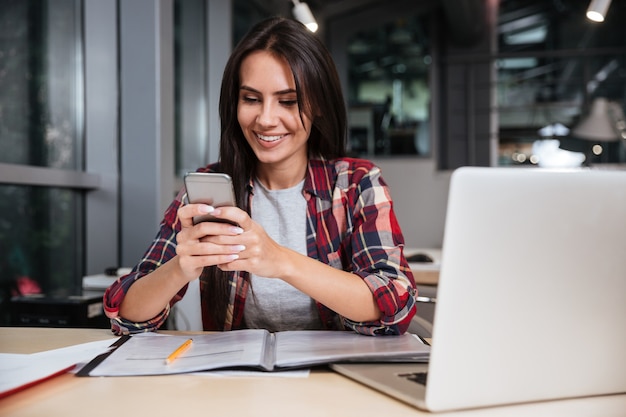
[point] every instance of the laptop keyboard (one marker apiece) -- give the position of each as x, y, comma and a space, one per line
417, 377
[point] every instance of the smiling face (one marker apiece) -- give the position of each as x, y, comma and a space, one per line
270, 119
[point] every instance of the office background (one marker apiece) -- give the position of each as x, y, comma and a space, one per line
104, 104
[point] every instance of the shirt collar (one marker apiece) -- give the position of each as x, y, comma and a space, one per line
320, 179
318, 182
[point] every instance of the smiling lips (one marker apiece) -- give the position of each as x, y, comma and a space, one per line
265, 138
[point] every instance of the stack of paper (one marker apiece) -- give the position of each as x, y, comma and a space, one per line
20, 371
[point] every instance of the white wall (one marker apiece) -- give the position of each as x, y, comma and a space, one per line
420, 195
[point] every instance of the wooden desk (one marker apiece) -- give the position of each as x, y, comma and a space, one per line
323, 393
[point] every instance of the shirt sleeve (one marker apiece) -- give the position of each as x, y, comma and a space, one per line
161, 250
377, 246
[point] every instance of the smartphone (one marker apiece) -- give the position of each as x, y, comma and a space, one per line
214, 189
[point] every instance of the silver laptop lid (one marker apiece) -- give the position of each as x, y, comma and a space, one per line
532, 289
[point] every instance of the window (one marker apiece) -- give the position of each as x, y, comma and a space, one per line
41, 92
388, 94
190, 85
552, 65
41, 126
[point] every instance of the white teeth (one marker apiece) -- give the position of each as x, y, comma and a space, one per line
269, 138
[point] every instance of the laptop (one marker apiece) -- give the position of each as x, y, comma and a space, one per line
531, 300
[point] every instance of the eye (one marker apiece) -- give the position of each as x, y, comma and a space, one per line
289, 103
249, 99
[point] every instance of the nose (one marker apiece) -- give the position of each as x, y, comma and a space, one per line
267, 116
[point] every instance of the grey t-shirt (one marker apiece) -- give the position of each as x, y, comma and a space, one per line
273, 304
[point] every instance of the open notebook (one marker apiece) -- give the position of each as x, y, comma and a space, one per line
532, 293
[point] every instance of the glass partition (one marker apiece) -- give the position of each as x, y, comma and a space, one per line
388, 90
190, 87
41, 125
41, 83
552, 65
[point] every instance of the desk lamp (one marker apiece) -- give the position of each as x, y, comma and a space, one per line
604, 123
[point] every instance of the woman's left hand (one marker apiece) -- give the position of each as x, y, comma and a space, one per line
261, 256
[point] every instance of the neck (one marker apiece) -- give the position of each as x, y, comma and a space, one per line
279, 179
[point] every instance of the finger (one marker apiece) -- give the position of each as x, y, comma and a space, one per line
194, 264
187, 212
208, 249
216, 260
229, 265
216, 228
234, 215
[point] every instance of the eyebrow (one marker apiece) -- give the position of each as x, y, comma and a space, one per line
277, 93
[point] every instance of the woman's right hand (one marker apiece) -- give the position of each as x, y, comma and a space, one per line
193, 248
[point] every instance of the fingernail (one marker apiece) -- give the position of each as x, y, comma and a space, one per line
239, 248
237, 230
206, 209
232, 257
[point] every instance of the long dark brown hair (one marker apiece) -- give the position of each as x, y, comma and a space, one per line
319, 98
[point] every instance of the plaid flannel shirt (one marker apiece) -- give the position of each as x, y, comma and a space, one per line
351, 226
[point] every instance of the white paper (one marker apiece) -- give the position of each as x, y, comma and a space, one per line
145, 355
255, 349
17, 370
295, 373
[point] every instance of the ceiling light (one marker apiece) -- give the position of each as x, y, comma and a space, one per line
303, 14
597, 10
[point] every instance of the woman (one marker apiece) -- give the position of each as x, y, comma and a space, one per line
317, 244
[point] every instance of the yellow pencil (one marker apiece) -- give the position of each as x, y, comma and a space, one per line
179, 351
